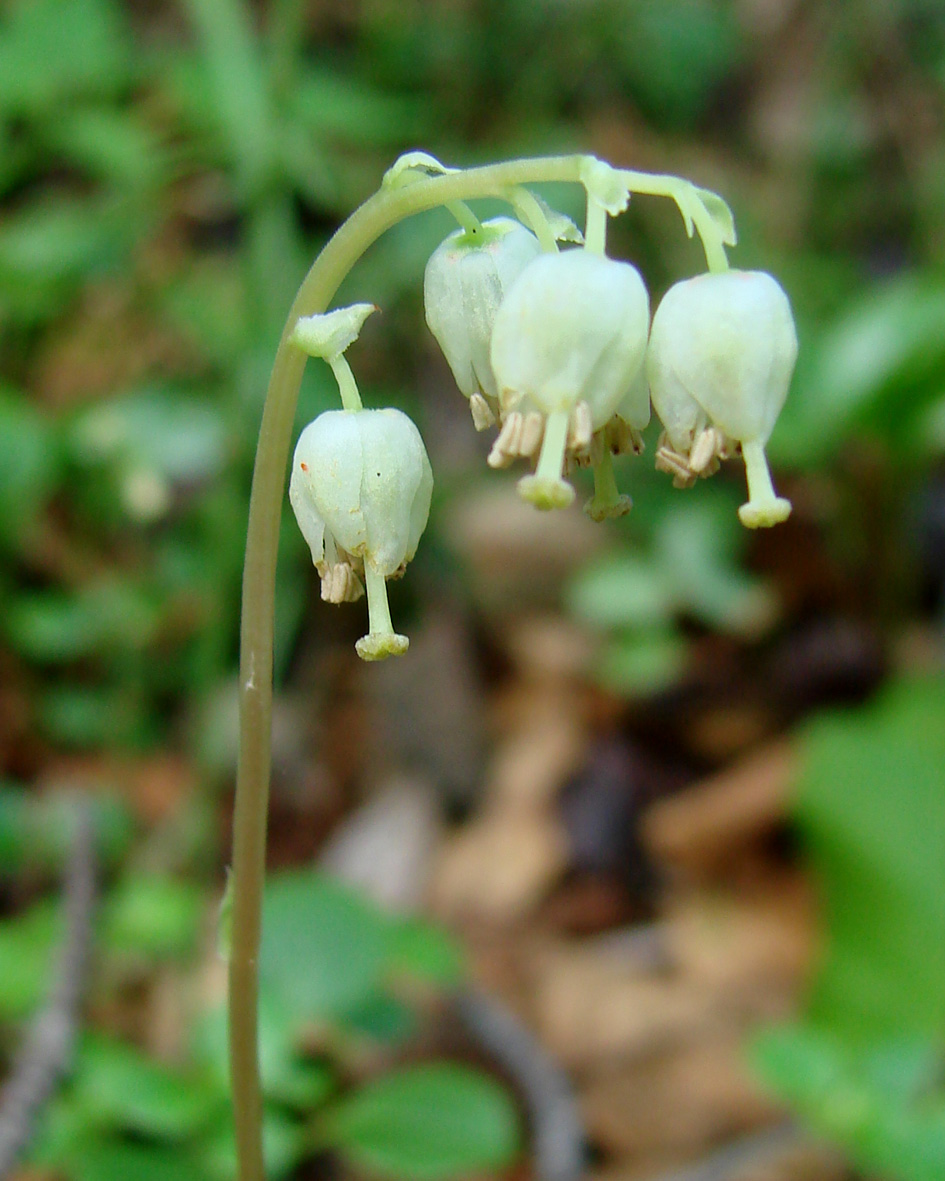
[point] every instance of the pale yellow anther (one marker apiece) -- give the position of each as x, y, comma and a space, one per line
502, 452
515, 422
580, 427
533, 428
481, 411
703, 451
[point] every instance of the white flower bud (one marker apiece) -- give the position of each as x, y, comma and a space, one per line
463, 285
721, 353
361, 484
572, 329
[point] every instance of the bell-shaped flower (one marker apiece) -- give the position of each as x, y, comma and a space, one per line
567, 348
360, 486
464, 282
719, 363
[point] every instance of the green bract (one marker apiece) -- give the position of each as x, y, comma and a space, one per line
463, 285
361, 485
568, 345
719, 363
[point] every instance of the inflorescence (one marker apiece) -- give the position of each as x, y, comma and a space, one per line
555, 348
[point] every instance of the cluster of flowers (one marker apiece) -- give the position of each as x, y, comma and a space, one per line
556, 348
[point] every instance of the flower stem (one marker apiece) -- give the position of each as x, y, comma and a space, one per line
465, 216
683, 193
531, 210
353, 238
595, 227
347, 386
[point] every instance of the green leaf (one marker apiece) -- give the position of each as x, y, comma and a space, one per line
55, 628
427, 953
50, 246
287, 1076
643, 662
28, 464
381, 1018
427, 1122
697, 546
176, 434
237, 80
881, 364
118, 1160
27, 953
120, 1087
283, 1147
324, 949
881, 1104
112, 145
152, 916
85, 40
870, 805
621, 590
335, 105
37, 830
674, 55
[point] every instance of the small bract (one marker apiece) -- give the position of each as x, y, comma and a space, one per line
720, 359
360, 487
568, 344
463, 285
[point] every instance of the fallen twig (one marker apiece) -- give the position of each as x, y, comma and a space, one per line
556, 1133
46, 1049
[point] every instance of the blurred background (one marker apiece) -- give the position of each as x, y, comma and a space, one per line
668, 795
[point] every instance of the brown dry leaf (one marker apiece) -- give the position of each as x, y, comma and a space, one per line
593, 1004
681, 1103
699, 829
750, 954
499, 868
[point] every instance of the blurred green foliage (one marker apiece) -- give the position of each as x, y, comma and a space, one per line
162, 190
339, 977
866, 1066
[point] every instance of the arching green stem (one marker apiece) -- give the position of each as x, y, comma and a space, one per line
359, 232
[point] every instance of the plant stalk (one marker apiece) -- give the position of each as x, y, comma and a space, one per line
364, 227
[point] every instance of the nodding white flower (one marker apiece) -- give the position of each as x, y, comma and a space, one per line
463, 285
567, 347
719, 363
360, 487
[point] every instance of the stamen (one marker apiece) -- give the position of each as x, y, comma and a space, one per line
580, 428
703, 451
481, 411
533, 427
502, 454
